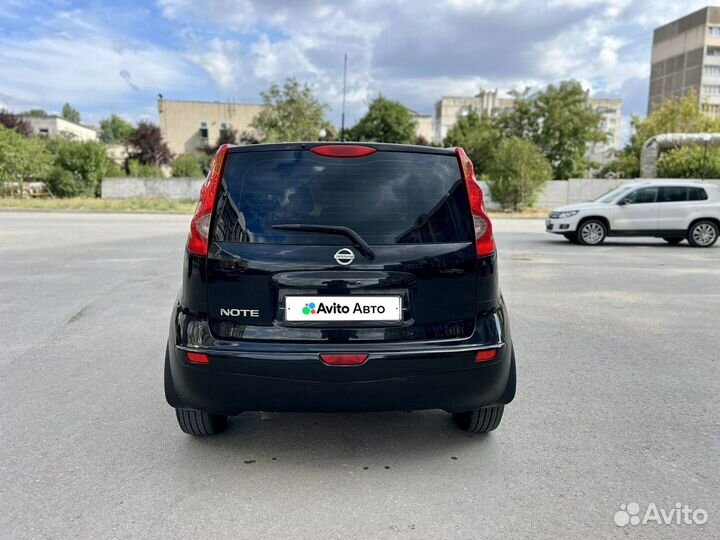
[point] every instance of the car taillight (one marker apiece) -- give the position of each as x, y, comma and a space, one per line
343, 150
198, 243
484, 239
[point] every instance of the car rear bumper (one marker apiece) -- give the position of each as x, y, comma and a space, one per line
412, 377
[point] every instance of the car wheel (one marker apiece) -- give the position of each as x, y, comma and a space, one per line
200, 423
592, 232
673, 241
703, 234
479, 420
571, 237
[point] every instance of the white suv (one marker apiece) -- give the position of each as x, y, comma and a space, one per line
674, 211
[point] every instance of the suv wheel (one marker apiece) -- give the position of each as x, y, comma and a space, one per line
673, 241
703, 234
200, 423
479, 420
592, 232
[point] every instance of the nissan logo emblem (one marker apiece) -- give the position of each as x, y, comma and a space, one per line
344, 256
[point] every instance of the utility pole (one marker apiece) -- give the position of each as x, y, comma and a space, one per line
342, 118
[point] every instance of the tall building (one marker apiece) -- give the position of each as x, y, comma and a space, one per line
188, 126
448, 110
685, 57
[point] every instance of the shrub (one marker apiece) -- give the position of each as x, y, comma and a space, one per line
187, 165
86, 161
517, 171
137, 169
62, 183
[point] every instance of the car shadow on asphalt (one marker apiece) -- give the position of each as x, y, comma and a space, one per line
341, 439
614, 243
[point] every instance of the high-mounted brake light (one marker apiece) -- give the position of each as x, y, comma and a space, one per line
343, 150
484, 239
198, 243
344, 359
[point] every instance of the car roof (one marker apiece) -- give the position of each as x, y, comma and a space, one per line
381, 147
670, 182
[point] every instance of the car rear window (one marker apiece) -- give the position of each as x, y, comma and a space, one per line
387, 198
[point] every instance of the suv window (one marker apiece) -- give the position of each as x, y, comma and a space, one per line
387, 198
673, 193
642, 196
697, 194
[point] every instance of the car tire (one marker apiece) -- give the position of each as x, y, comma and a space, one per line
703, 233
200, 423
571, 237
591, 232
479, 420
673, 241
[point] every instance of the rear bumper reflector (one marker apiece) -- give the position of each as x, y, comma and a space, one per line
198, 358
486, 356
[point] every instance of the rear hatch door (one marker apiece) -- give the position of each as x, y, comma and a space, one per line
310, 247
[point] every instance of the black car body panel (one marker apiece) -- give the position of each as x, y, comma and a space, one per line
232, 305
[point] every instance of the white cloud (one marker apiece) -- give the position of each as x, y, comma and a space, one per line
74, 59
411, 50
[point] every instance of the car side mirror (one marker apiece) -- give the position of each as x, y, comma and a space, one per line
622, 202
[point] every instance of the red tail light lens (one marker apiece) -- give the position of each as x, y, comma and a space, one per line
198, 243
484, 239
344, 359
485, 356
343, 150
198, 358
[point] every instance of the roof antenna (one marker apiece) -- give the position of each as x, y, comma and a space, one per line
342, 118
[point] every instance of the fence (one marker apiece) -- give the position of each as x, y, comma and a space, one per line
555, 193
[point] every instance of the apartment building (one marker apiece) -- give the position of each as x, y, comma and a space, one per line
686, 57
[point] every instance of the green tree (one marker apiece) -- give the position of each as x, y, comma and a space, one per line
385, 121
290, 113
115, 130
187, 165
561, 122
70, 113
676, 115
516, 173
34, 112
22, 158
478, 135
689, 162
86, 161
149, 146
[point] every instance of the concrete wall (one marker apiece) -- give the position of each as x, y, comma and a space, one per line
560, 192
139, 188
556, 193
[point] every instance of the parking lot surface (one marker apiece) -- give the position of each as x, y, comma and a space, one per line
618, 351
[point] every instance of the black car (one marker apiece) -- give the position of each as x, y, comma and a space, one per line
339, 277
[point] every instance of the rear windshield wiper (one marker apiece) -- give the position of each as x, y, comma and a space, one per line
359, 241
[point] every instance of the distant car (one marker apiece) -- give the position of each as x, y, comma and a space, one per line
339, 277
671, 211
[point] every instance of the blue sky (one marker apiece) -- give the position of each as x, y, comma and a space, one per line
115, 58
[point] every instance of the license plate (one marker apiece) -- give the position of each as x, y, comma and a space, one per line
343, 308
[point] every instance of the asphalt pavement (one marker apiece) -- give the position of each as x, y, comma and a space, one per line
618, 350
